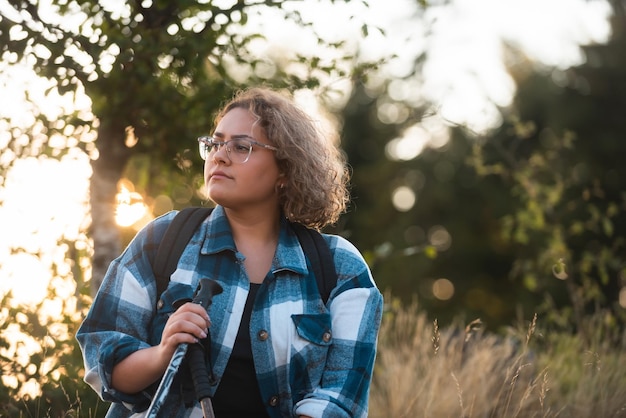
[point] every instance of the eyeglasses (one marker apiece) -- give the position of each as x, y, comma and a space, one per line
238, 149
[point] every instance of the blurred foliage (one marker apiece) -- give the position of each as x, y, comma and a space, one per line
41, 362
535, 209
560, 154
562, 225
451, 200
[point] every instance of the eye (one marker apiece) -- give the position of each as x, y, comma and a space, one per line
240, 146
213, 145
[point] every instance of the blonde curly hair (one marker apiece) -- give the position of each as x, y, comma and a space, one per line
315, 193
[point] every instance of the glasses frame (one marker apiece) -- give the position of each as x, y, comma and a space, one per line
208, 144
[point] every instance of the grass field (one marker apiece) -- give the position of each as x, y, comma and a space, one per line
462, 371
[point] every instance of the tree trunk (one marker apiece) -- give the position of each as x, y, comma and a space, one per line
107, 170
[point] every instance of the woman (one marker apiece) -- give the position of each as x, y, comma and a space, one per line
267, 165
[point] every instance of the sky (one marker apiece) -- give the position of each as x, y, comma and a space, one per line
464, 76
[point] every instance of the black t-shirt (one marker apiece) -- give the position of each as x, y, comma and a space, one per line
238, 394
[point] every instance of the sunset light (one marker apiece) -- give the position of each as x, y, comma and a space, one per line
130, 206
44, 204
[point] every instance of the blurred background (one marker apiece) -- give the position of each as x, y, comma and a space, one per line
485, 138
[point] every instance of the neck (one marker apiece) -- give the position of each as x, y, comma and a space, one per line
257, 226
256, 237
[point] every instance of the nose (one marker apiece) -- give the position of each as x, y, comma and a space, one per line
221, 154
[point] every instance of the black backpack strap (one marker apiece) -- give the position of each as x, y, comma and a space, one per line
318, 252
173, 243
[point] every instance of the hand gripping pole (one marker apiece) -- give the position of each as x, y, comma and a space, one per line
203, 296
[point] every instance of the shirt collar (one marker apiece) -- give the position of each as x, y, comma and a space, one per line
218, 237
289, 254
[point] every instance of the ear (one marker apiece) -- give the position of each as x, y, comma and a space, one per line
281, 182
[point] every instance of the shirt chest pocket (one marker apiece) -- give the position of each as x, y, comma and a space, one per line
312, 341
315, 328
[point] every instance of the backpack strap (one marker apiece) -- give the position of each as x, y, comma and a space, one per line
318, 252
185, 223
173, 243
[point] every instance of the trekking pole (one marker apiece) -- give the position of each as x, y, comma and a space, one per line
207, 288
202, 378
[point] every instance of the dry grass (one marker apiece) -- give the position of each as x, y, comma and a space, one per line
424, 371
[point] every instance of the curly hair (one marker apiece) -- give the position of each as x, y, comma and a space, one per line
316, 190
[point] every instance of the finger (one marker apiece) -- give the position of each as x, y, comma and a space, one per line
196, 309
187, 323
174, 340
192, 317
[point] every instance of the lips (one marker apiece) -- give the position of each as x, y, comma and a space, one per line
217, 174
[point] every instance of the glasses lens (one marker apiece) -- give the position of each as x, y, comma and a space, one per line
203, 147
239, 150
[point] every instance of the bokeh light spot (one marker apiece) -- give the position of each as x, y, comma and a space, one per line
443, 289
403, 198
439, 237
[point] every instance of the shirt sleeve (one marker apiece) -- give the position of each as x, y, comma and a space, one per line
356, 307
120, 319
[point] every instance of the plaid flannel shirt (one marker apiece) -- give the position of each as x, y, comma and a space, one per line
299, 369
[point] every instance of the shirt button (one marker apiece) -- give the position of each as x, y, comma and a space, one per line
326, 337
263, 335
273, 400
160, 304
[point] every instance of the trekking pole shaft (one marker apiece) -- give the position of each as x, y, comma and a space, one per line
207, 408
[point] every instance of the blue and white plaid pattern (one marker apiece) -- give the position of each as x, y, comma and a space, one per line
299, 369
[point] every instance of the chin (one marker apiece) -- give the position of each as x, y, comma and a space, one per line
218, 198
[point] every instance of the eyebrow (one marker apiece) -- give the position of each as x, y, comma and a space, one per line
239, 136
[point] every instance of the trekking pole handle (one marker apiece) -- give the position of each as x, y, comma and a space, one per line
205, 291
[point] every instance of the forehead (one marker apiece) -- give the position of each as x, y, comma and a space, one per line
239, 121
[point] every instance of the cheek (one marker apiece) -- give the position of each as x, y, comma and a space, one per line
207, 169
267, 174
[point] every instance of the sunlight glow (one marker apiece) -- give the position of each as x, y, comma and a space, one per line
409, 145
431, 132
21, 353
26, 277
44, 201
130, 206
466, 44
